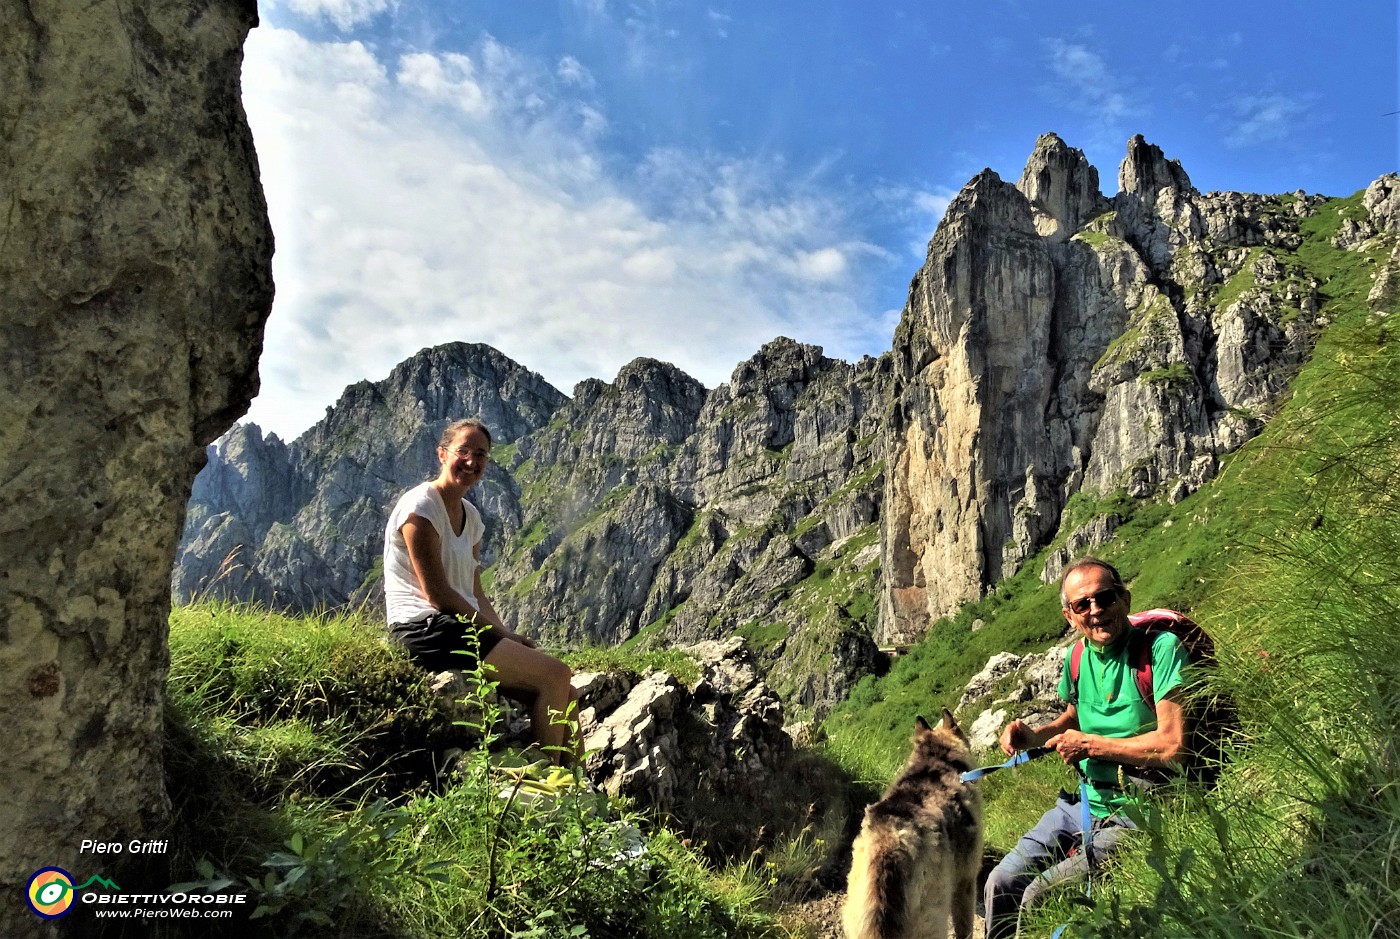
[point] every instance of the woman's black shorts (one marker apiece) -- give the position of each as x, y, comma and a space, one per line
441, 642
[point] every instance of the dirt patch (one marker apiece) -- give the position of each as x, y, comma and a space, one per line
820, 918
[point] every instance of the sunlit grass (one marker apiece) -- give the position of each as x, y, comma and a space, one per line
284, 730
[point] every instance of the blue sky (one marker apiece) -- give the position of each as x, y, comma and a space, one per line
582, 182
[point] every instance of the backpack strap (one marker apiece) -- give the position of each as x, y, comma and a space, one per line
1140, 659
1076, 655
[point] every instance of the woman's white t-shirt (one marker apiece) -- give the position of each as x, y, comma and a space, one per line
404, 598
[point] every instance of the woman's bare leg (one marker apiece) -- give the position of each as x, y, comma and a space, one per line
546, 679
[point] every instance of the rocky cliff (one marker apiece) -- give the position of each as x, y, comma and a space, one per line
1055, 341
744, 510
135, 278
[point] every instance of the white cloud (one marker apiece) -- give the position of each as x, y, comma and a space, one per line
346, 14
592, 122
824, 264
463, 200
1261, 119
719, 23
1085, 82
446, 78
572, 72
917, 212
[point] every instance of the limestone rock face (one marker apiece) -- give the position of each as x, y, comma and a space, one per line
1083, 540
1155, 203
1062, 187
667, 745
1057, 341
601, 514
135, 272
1012, 686
243, 491
968, 491
1382, 201
716, 511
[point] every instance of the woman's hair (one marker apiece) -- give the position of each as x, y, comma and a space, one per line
453, 430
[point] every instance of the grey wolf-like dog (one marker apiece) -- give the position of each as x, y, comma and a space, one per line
915, 863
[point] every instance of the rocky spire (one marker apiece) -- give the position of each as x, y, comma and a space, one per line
1062, 187
1156, 204
1146, 171
972, 376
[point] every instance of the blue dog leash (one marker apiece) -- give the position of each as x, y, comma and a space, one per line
1025, 756
1086, 817
1086, 835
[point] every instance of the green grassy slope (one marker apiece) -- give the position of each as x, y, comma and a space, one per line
304, 760
1290, 558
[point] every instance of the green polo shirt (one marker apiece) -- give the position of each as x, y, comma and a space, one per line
1109, 705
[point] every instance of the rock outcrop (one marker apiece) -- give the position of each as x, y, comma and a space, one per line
680, 749
669, 746
1056, 341
136, 278
1010, 686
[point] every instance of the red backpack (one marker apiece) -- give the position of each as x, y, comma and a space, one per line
1211, 718
1199, 647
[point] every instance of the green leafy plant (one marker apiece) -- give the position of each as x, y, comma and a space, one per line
328, 869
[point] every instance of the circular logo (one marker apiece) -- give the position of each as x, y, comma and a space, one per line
50, 892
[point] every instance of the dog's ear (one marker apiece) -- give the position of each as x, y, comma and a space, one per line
948, 722
922, 724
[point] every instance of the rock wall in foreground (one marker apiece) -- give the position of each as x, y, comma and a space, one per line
135, 279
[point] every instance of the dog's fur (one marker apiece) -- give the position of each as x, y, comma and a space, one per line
916, 860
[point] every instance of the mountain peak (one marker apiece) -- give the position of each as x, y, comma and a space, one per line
1145, 172
1063, 188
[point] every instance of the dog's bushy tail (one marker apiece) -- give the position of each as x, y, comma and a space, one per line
877, 891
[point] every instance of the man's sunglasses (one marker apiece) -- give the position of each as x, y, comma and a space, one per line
1103, 598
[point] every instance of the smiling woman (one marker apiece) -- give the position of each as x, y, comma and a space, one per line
436, 606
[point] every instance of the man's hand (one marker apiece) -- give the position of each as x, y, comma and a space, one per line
1014, 737
1072, 745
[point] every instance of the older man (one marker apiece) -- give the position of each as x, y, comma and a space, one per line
1107, 730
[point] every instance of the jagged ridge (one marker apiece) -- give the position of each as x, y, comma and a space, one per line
1054, 340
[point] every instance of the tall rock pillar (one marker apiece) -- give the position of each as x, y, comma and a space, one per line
135, 280
967, 439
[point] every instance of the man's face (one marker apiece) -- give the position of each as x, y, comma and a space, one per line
1095, 607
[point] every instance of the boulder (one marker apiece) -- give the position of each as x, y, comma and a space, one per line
1031, 684
135, 279
666, 743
